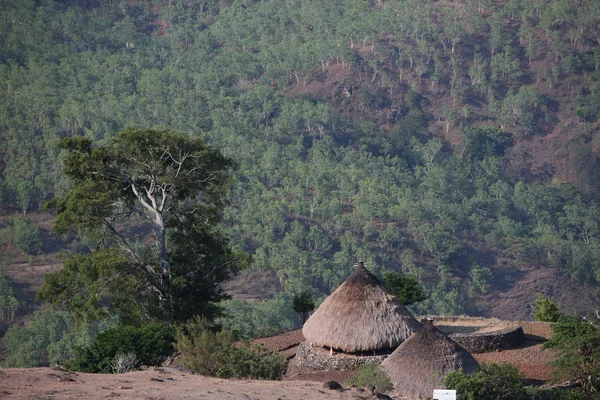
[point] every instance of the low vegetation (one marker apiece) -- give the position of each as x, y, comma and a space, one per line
491, 382
50, 337
371, 376
577, 343
124, 348
9, 305
216, 354
503, 381
546, 309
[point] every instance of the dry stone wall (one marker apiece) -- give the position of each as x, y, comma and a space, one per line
490, 341
319, 359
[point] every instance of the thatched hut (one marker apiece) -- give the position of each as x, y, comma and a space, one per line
360, 316
421, 363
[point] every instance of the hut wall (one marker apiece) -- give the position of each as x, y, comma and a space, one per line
490, 341
319, 359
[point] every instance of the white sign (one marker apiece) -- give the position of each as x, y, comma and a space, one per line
444, 394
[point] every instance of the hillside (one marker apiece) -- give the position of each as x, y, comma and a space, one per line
456, 142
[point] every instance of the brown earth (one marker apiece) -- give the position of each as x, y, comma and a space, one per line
171, 383
512, 296
155, 384
530, 358
515, 291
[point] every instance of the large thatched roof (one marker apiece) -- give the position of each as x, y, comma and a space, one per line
360, 315
421, 363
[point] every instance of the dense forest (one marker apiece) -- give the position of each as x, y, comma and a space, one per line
453, 141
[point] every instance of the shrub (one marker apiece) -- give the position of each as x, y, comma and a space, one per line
26, 236
215, 354
250, 362
123, 363
546, 310
555, 393
303, 304
372, 375
578, 347
41, 342
151, 344
491, 382
265, 318
9, 305
405, 288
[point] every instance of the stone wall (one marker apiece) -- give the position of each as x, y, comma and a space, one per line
490, 341
319, 359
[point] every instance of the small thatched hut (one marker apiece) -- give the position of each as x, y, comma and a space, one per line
360, 315
421, 363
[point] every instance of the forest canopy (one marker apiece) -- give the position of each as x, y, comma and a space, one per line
451, 141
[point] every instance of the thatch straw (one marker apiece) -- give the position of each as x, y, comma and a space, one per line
421, 363
360, 315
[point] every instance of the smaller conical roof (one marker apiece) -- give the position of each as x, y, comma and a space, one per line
360, 315
421, 363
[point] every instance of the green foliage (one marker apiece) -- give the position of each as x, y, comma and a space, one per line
23, 234
303, 304
588, 104
481, 279
525, 112
406, 288
556, 393
484, 141
491, 382
84, 282
151, 344
176, 184
578, 345
50, 337
371, 375
546, 309
326, 175
253, 320
446, 299
216, 354
9, 305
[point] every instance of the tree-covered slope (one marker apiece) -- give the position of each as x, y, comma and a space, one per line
455, 141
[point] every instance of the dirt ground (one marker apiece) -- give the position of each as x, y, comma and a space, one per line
48, 383
530, 358
170, 383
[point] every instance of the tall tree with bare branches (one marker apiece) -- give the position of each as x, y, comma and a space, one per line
150, 201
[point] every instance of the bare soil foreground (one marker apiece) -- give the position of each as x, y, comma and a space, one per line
171, 383
48, 383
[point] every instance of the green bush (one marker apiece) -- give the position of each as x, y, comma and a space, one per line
25, 236
303, 304
252, 320
215, 354
151, 344
577, 344
491, 382
546, 310
406, 288
555, 393
372, 375
9, 305
48, 338
250, 362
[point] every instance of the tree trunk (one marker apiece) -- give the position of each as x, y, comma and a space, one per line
165, 267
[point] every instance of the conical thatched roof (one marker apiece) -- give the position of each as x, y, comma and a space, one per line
360, 315
421, 363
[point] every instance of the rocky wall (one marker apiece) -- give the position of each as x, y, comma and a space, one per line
490, 341
319, 359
